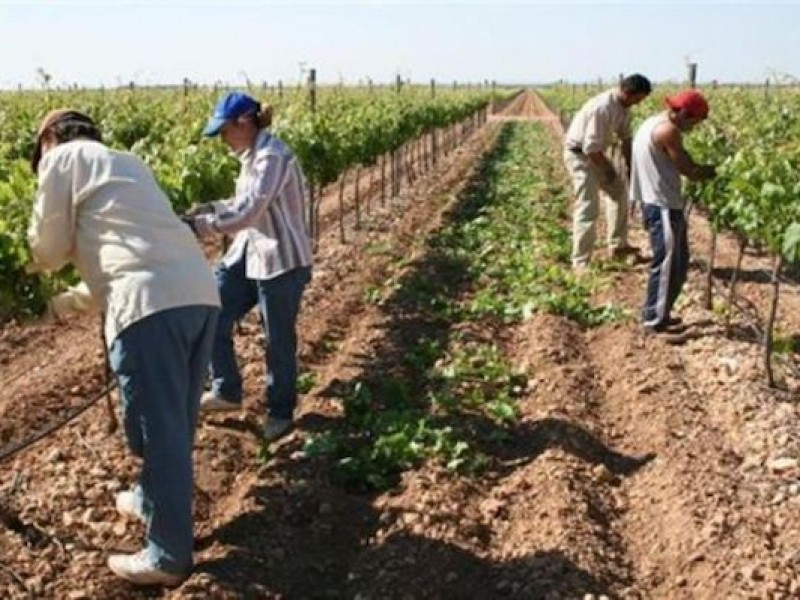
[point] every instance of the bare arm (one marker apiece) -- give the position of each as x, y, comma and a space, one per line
626, 152
670, 139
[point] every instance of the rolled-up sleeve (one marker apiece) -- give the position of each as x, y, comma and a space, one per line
51, 232
243, 211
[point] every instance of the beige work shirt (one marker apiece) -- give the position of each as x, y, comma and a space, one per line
593, 127
103, 211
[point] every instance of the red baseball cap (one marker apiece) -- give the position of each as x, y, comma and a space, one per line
691, 102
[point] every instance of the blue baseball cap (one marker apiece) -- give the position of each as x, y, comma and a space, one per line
230, 106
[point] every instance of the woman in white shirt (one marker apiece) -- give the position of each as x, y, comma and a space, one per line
103, 211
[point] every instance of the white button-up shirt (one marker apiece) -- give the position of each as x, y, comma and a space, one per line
593, 126
103, 211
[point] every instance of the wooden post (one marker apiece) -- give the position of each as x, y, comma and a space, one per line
312, 207
766, 88
383, 179
692, 73
433, 88
341, 206
312, 89
773, 311
734, 280
398, 84
358, 196
280, 88
708, 298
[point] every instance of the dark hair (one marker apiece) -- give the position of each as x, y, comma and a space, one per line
73, 129
636, 84
263, 116
66, 126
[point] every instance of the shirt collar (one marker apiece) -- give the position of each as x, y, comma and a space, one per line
261, 140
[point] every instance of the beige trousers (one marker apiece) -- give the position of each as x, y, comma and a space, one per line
587, 182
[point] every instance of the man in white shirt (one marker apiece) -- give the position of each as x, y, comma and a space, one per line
590, 134
103, 211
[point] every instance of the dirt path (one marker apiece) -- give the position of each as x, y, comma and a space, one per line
58, 497
637, 469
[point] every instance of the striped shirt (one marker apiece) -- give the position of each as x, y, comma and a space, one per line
592, 127
267, 215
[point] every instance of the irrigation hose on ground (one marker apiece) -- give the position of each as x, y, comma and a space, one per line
113, 424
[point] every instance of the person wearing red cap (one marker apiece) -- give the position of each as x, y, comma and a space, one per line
658, 161
589, 135
102, 210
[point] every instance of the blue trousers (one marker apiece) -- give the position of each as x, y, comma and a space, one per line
279, 301
670, 265
161, 363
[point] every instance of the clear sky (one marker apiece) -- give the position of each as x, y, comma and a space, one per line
112, 42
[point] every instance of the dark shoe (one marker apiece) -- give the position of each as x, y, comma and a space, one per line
210, 402
669, 335
624, 251
274, 429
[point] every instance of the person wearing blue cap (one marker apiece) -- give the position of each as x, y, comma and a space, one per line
269, 261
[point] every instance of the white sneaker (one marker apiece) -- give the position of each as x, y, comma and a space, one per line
128, 506
136, 569
210, 402
276, 428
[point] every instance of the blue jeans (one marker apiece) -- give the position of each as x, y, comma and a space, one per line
670, 265
279, 302
161, 363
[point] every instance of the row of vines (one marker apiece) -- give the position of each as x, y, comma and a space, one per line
753, 138
341, 129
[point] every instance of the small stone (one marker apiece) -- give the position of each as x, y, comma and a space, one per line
781, 465
120, 528
751, 573
451, 578
90, 515
325, 509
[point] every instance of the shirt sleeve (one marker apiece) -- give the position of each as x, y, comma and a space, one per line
245, 209
624, 131
595, 133
51, 232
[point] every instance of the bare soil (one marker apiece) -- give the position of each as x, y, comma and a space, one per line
638, 469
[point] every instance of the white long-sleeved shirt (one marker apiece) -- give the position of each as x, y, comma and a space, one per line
267, 215
103, 211
594, 124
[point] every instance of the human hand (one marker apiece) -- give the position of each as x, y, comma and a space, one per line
204, 208
190, 221
708, 171
609, 174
